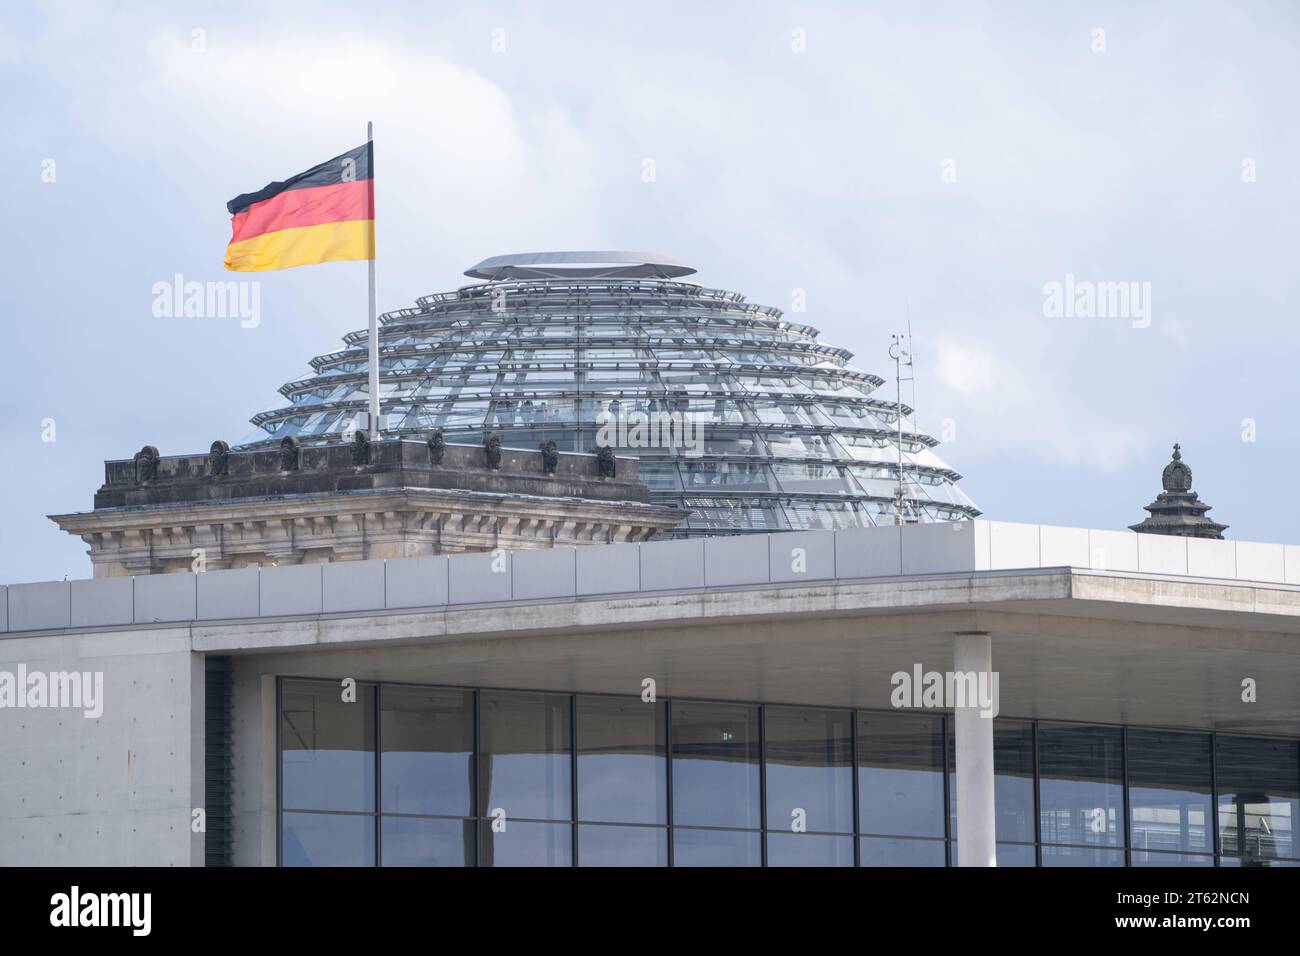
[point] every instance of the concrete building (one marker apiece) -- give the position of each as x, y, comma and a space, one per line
721, 701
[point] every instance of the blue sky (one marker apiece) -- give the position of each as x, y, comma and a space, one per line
943, 161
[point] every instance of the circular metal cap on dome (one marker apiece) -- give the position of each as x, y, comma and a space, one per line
580, 265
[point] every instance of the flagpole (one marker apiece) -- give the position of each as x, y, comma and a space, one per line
373, 340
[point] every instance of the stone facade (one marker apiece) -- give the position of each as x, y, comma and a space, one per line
355, 500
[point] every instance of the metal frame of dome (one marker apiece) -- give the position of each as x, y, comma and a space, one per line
792, 436
580, 265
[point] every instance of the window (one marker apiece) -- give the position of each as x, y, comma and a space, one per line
403, 775
622, 753
327, 774
1081, 794
525, 771
715, 765
900, 775
427, 764
525, 777
622, 761
1258, 780
809, 770
1169, 778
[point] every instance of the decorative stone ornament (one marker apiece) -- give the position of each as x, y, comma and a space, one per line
146, 464
1178, 510
437, 447
550, 457
281, 504
1177, 477
290, 454
218, 459
605, 465
492, 450
361, 447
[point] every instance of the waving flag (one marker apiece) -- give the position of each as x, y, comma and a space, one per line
326, 214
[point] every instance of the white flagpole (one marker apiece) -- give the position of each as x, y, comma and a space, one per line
373, 340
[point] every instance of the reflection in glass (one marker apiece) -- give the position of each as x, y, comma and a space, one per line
1082, 787
900, 774
1082, 856
716, 848
1013, 780
809, 849
328, 755
809, 769
413, 841
622, 846
526, 844
428, 751
525, 767
715, 765
1258, 780
1153, 858
622, 760
877, 851
328, 839
1169, 792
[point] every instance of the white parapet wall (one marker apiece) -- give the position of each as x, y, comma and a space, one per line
741, 560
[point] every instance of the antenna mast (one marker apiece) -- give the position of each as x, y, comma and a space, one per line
902, 355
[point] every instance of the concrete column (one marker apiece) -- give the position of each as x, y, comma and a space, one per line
976, 819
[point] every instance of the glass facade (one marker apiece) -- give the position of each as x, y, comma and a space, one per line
407, 775
738, 415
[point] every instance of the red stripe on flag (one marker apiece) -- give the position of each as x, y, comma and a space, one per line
310, 206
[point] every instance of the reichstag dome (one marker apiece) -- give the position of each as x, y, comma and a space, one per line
739, 416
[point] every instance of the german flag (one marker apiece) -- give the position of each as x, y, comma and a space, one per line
326, 214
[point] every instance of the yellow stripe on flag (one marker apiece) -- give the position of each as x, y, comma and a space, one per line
303, 246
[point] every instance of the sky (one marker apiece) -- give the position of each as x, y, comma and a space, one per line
860, 165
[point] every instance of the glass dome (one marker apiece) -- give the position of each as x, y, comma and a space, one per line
738, 416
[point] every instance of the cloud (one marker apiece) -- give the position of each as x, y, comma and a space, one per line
1017, 407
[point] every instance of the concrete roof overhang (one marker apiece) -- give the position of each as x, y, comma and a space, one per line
1068, 644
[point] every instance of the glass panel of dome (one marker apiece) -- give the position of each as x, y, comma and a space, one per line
819, 479
659, 477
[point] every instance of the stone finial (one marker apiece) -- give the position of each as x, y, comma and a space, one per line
550, 457
437, 447
1177, 477
605, 464
361, 447
1178, 510
146, 464
218, 459
492, 450
290, 453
